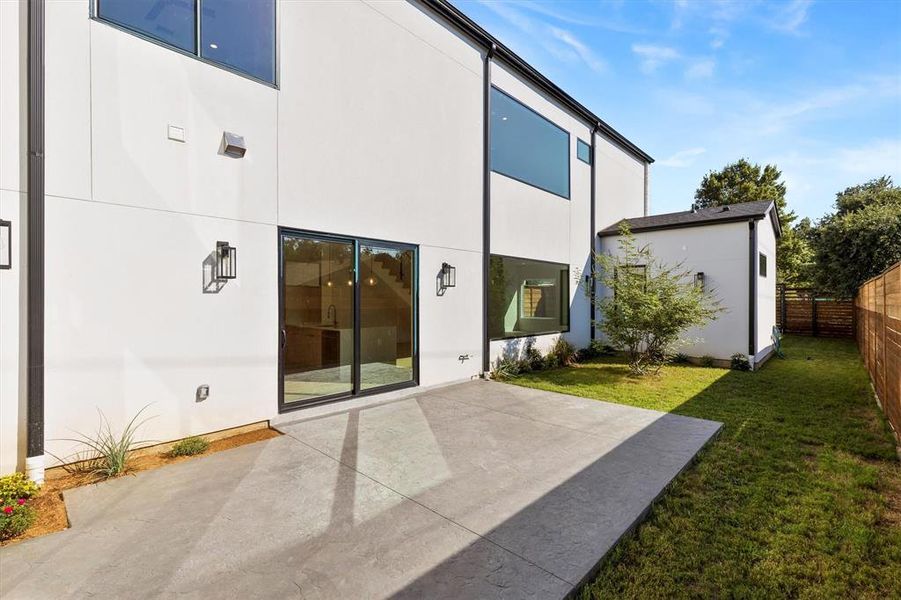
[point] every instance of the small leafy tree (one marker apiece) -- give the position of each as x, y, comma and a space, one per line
651, 304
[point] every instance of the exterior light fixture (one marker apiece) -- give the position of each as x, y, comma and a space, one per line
226, 261
233, 145
6, 245
699, 279
448, 276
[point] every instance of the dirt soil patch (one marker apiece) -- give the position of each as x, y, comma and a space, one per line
51, 508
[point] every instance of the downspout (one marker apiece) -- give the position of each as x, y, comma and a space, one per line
34, 462
486, 206
591, 266
752, 290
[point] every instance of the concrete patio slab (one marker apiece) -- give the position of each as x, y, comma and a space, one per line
480, 490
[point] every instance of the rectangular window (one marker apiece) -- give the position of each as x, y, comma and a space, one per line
632, 272
527, 297
172, 22
240, 35
528, 147
583, 151
236, 34
762, 267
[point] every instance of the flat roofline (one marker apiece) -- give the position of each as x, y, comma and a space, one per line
456, 17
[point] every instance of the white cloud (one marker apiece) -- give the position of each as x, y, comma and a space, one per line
682, 158
790, 17
881, 157
653, 57
581, 50
701, 69
558, 42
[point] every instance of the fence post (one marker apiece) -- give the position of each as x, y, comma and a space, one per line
813, 317
782, 308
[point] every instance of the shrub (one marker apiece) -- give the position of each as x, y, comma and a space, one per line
707, 361
106, 454
740, 362
563, 352
16, 515
532, 359
189, 447
16, 486
505, 367
651, 306
15, 518
680, 358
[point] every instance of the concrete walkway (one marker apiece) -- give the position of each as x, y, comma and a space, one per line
480, 490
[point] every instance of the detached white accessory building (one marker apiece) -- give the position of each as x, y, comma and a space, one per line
730, 250
228, 210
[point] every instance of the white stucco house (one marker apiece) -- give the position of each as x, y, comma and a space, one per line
233, 210
730, 250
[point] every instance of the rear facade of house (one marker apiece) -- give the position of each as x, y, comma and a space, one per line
252, 208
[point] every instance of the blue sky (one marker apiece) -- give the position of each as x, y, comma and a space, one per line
814, 87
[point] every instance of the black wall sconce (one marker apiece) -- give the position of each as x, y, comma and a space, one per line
448, 275
226, 261
699, 279
6, 245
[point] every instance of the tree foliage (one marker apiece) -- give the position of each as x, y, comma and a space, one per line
652, 304
861, 239
743, 181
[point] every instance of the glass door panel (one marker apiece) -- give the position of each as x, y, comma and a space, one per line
387, 334
318, 313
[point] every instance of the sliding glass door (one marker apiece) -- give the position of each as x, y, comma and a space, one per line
317, 312
386, 316
348, 317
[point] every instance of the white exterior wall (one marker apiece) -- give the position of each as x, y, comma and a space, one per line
721, 253
766, 288
13, 187
380, 136
375, 131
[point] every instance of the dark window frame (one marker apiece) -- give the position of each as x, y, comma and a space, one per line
761, 264
196, 53
629, 268
569, 175
565, 309
580, 143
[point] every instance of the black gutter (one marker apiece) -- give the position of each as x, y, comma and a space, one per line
35, 290
452, 14
752, 288
486, 205
591, 266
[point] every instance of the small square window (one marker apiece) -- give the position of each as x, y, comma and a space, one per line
583, 151
762, 264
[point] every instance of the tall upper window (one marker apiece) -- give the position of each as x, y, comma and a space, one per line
762, 266
237, 34
527, 297
528, 147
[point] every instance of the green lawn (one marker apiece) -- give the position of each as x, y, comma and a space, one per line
799, 496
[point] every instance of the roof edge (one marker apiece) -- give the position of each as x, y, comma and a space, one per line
738, 219
457, 18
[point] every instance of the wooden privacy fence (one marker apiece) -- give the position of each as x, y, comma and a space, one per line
878, 306
808, 312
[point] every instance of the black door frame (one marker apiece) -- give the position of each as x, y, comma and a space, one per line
355, 391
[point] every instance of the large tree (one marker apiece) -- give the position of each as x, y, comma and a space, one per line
743, 181
861, 239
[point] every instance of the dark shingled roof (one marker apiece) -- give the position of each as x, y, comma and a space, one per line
702, 216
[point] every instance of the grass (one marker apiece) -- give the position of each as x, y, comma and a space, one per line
189, 447
799, 496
